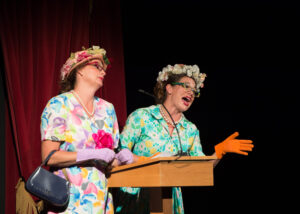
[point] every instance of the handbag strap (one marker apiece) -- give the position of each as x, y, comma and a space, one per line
48, 157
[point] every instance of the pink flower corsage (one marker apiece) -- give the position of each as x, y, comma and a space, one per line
103, 140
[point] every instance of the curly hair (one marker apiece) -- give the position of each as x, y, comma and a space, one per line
160, 87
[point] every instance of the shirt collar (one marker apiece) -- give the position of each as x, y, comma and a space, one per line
157, 115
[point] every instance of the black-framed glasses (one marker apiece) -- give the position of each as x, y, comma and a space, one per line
188, 87
97, 65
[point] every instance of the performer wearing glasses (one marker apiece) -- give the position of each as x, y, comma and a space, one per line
84, 130
163, 130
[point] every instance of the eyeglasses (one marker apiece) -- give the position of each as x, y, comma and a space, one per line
188, 87
97, 65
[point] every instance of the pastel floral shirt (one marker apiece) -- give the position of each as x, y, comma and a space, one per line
146, 133
65, 120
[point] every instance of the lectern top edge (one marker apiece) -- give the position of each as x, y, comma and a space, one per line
164, 159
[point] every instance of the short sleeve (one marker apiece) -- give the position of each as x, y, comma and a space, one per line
53, 120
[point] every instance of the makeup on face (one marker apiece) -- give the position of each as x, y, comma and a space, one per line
187, 91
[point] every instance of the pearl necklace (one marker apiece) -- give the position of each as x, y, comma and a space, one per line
167, 120
90, 114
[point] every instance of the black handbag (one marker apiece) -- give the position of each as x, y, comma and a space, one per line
48, 186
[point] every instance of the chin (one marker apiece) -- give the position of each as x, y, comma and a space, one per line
183, 108
98, 86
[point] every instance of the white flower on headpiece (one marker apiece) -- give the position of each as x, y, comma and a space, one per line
95, 47
190, 71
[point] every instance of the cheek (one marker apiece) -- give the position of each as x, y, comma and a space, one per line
179, 95
95, 71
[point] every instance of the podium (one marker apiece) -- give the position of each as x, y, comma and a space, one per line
160, 174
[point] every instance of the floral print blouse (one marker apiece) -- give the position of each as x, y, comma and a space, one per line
146, 133
65, 120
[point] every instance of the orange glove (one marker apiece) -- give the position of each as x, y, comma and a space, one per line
233, 145
143, 158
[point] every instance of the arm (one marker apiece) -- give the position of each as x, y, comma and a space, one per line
196, 148
53, 127
215, 163
128, 138
82, 156
65, 158
233, 145
59, 158
53, 132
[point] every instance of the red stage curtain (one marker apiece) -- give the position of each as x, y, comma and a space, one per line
37, 37
105, 28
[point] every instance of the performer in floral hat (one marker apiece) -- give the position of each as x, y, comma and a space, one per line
84, 130
163, 130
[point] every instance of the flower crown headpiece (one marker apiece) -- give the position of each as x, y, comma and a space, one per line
81, 57
189, 70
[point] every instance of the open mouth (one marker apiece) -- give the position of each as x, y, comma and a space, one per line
186, 100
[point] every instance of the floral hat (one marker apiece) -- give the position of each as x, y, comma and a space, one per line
192, 71
81, 57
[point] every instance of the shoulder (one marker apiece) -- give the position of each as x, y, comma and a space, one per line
56, 106
144, 112
61, 98
59, 102
103, 103
105, 108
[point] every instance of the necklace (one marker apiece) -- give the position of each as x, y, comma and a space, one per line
167, 120
90, 114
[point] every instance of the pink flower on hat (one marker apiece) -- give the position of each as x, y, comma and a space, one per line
80, 57
103, 140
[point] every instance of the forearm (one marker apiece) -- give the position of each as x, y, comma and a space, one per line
136, 158
216, 161
63, 159
59, 158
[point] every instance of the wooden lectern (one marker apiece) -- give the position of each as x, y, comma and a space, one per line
160, 174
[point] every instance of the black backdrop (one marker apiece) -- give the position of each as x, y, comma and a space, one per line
247, 50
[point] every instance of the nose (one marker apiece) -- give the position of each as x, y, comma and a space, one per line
191, 93
103, 72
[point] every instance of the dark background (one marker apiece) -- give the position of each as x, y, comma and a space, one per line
248, 51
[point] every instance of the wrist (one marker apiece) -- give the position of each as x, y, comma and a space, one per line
142, 158
219, 151
125, 156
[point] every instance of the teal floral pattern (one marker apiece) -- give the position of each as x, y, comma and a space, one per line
145, 134
64, 120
